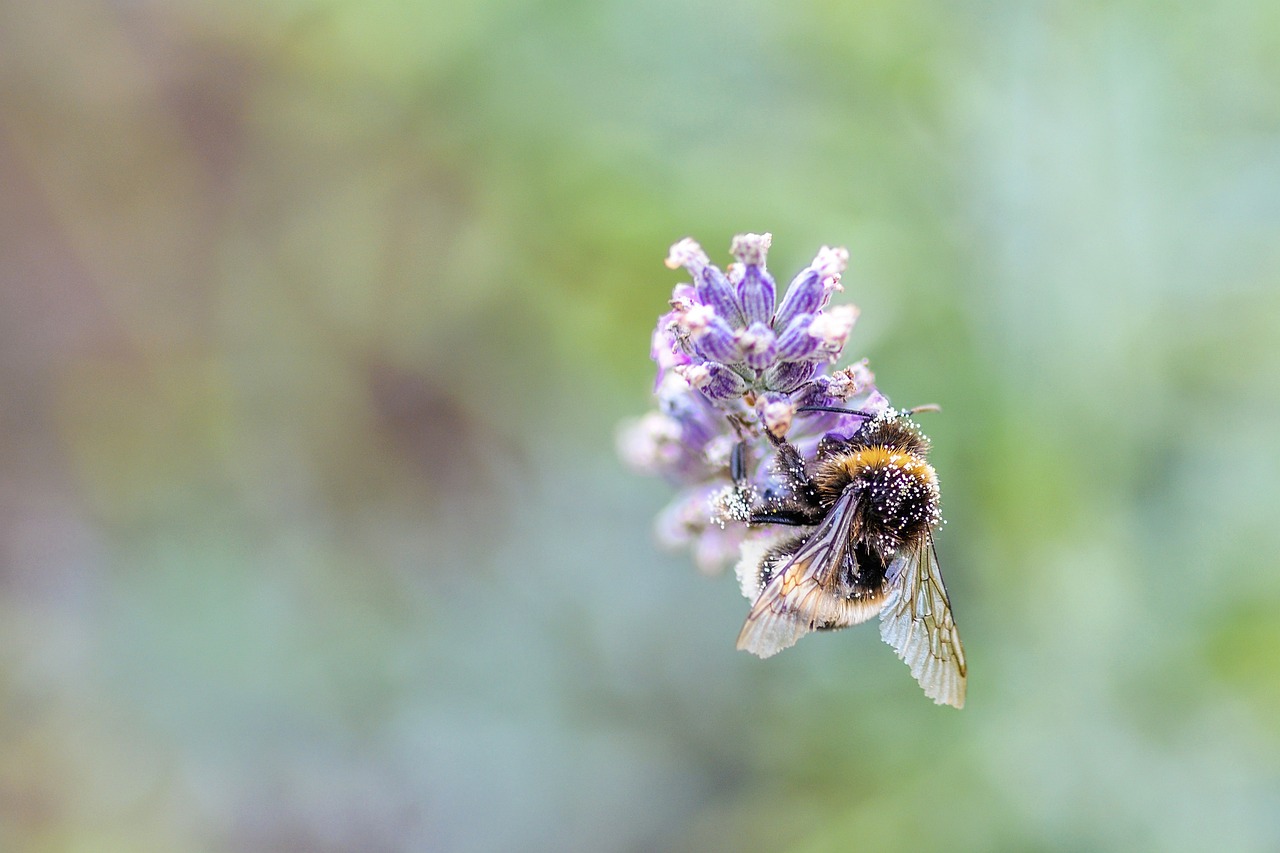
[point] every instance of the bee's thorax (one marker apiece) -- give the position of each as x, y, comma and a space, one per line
896, 491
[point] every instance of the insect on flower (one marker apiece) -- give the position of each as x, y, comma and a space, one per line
865, 508
809, 478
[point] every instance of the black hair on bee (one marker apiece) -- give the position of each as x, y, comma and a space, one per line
867, 506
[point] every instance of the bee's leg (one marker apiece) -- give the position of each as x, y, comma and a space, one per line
738, 463
797, 504
791, 465
791, 518
775, 515
738, 471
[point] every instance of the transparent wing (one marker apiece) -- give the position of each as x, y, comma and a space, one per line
807, 591
917, 623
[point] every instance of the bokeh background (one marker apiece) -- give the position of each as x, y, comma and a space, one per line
316, 320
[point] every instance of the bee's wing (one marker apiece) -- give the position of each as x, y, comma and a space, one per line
917, 622
805, 593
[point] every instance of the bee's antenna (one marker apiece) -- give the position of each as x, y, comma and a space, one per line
914, 410
836, 410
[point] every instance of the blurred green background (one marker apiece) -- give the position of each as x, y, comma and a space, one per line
316, 319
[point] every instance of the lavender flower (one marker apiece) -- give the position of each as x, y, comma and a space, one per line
734, 361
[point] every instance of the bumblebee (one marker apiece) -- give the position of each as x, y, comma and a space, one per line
862, 513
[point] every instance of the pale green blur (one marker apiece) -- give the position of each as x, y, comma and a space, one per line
316, 320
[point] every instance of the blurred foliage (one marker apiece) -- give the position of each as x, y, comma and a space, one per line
316, 318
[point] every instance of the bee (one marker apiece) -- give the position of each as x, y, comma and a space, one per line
863, 511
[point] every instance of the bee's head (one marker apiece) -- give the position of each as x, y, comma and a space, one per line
894, 429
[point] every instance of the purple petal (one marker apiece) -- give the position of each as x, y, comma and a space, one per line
673, 441
826, 390
757, 292
714, 379
715, 290
804, 296
795, 342
849, 388
715, 341
812, 393
831, 390
696, 433
789, 375
874, 402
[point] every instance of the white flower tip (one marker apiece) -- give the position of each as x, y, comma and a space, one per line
831, 261
640, 442
751, 249
833, 327
754, 339
854, 380
686, 253
841, 387
672, 385
697, 375
696, 320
